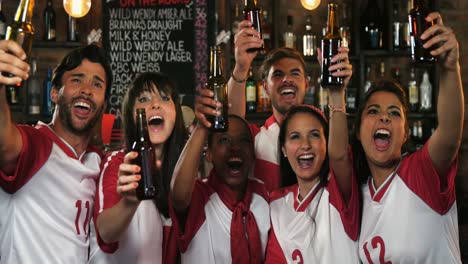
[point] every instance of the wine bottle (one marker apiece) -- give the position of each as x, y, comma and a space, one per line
251, 93
49, 22
372, 27
72, 34
253, 14
2, 23
217, 83
146, 159
330, 44
418, 25
20, 30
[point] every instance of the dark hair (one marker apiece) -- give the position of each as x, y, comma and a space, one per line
359, 156
212, 133
74, 59
288, 177
278, 54
176, 141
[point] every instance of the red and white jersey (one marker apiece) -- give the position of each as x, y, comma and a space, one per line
46, 205
412, 217
142, 242
319, 229
266, 153
207, 237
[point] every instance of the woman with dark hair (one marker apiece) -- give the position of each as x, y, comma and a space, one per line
129, 230
409, 205
319, 214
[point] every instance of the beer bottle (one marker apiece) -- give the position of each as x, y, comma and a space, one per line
217, 83
418, 25
49, 22
251, 93
146, 158
330, 44
253, 14
21, 30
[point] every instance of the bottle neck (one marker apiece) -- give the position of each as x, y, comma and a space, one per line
215, 62
332, 24
24, 12
250, 4
141, 126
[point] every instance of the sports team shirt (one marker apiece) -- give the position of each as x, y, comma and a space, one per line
266, 153
142, 242
46, 205
207, 237
412, 217
319, 229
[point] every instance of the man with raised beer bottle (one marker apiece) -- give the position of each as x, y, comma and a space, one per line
48, 173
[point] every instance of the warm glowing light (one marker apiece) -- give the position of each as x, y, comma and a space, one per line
310, 4
77, 8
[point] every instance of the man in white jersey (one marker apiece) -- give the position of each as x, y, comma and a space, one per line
48, 172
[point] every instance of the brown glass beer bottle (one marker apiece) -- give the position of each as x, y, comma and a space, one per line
417, 25
146, 159
253, 14
217, 83
330, 44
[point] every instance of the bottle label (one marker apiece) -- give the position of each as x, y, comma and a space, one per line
251, 92
413, 94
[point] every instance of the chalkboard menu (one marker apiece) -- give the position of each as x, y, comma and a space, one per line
168, 36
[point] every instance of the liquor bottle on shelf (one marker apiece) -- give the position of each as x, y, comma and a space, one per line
20, 30
72, 33
47, 87
309, 97
330, 44
217, 83
253, 14
426, 93
237, 19
34, 90
263, 101
146, 159
418, 25
382, 70
308, 40
372, 27
413, 92
396, 75
3, 23
369, 79
251, 93
289, 37
49, 22
267, 32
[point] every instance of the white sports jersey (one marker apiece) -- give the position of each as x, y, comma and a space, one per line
266, 153
47, 204
318, 229
412, 217
207, 237
142, 242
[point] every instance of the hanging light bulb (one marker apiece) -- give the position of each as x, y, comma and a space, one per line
77, 8
310, 4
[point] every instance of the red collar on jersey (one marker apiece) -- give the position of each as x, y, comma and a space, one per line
246, 245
